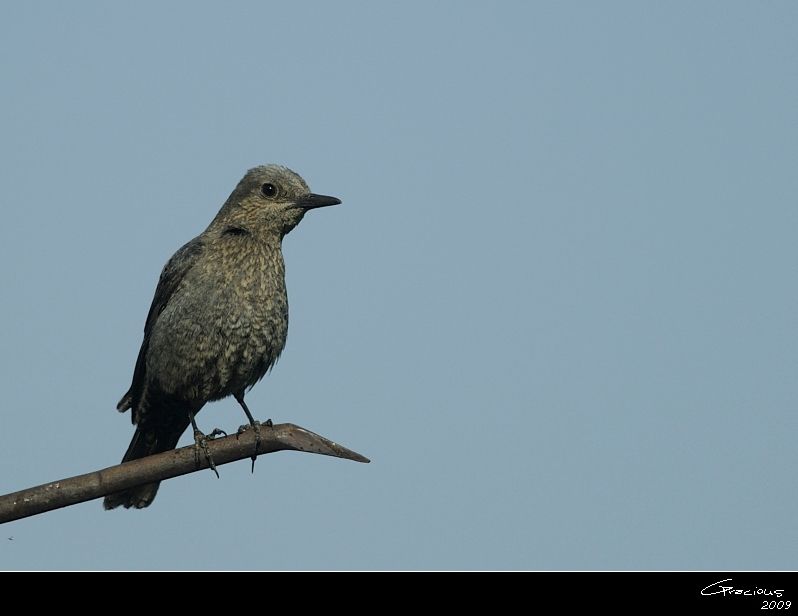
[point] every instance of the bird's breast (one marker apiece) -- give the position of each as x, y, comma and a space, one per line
225, 326
255, 315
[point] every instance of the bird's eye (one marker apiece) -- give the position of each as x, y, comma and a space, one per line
268, 190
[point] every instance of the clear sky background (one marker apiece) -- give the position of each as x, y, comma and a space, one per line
557, 308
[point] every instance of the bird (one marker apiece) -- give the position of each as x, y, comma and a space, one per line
219, 318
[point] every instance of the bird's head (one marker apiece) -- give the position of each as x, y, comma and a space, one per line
269, 199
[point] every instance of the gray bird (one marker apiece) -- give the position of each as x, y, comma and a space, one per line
219, 318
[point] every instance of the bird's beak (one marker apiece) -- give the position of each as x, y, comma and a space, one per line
312, 201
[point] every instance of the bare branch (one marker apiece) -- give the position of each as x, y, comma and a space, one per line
165, 465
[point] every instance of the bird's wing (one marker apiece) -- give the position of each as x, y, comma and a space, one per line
173, 273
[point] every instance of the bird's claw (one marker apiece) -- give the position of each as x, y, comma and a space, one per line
201, 443
255, 425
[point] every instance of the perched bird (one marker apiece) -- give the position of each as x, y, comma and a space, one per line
219, 318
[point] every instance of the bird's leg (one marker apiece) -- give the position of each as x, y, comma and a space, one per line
254, 424
200, 442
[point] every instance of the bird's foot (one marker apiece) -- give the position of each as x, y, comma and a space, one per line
201, 443
241, 429
255, 425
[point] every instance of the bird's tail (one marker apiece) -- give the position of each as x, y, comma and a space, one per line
146, 442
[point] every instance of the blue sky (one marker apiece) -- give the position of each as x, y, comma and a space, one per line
557, 308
